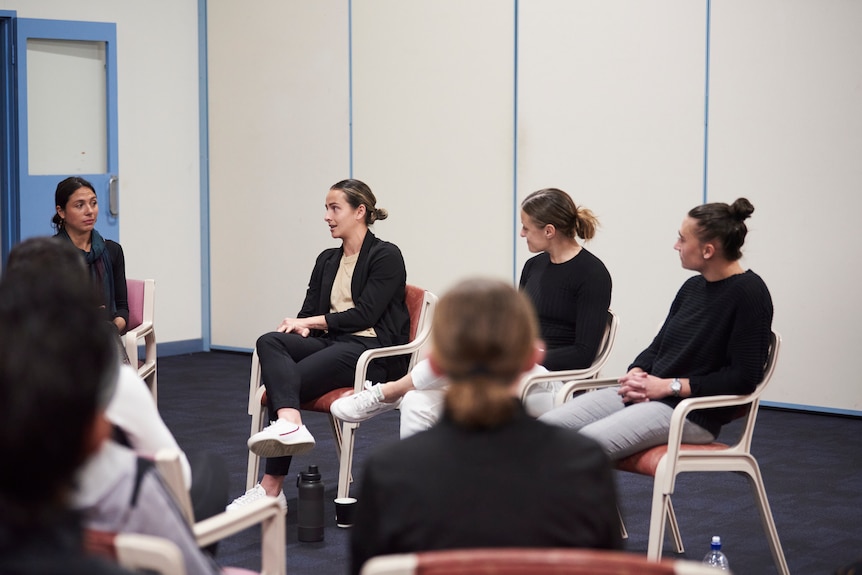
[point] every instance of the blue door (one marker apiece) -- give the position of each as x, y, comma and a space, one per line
65, 107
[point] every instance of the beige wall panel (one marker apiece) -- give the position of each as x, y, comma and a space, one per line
279, 95
786, 132
158, 145
433, 131
611, 109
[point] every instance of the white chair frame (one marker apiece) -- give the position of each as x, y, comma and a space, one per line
267, 512
570, 377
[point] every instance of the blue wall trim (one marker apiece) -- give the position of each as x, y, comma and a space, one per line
180, 347
203, 116
811, 408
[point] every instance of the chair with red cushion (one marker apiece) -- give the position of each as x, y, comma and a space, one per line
665, 462
420, 305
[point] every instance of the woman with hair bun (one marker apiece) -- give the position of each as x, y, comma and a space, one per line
570, 289
714, 341
487, 475
355, 301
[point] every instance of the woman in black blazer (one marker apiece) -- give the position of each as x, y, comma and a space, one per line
355, 301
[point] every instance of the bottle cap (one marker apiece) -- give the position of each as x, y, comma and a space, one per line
313, 474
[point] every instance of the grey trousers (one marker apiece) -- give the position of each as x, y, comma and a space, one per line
621, 430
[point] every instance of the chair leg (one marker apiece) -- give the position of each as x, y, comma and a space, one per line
623, 533
674, 527
253, 459
755, 479
345, 468
656, 526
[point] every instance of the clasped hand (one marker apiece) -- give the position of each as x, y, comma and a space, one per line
638, 386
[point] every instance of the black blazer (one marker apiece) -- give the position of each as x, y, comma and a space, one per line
378, 288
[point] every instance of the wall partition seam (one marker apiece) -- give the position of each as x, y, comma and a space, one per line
350, 86
203, 115
515, 210
706, 104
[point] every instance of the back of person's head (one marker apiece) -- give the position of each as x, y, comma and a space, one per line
724, 224
556, 207
58, 369
484, 338
358, 193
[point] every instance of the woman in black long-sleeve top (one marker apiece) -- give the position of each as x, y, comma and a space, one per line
355, 301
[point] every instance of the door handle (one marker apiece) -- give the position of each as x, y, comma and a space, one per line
114, 196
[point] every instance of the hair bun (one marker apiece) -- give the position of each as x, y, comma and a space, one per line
741, 209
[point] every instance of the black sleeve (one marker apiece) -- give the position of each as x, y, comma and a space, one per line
118, 266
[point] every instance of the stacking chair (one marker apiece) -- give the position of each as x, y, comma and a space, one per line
267, 512
665, 462
420, 305
141, 295
528, 561
570, 377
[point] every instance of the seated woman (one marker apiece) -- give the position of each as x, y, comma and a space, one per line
487, 475
714, 341
570, 289
77, 210
355, 301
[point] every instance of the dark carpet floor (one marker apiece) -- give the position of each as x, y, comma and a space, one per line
811, 463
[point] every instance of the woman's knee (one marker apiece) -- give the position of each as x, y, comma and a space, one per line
420, 410
267, 341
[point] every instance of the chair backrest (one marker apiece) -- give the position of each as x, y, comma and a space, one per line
420, 306
135, 289
526, 561
171, 470
749, 411
141, 297
414, 297
607, 343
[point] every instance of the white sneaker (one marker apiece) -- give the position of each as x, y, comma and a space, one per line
281, 438
254, 494
363, 405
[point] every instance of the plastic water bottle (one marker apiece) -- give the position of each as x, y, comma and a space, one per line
715, 558
310, 514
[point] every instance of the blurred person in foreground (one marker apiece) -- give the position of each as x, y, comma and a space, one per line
58, 369
488, 474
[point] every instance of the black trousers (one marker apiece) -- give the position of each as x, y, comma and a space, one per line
297, 369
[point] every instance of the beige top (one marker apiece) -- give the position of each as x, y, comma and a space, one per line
341, 298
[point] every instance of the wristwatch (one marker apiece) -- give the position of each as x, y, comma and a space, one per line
675, 387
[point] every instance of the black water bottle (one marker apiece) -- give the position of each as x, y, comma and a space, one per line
310, 515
